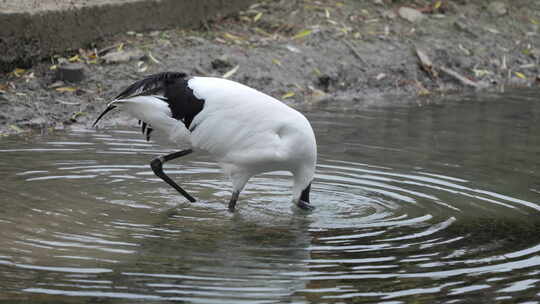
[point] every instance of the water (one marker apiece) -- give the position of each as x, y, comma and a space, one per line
428, 202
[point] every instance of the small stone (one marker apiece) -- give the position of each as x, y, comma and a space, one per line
410, 14
497, 8
122, 56
221, 64
389, 14
70, 72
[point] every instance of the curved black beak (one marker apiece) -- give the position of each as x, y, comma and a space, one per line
109, 108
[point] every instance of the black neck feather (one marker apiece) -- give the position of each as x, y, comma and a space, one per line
174, 88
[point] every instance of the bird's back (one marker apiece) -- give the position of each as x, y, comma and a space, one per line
242, 125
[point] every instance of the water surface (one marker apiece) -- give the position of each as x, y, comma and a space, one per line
435, 201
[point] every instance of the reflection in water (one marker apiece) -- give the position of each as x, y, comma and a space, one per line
432, 203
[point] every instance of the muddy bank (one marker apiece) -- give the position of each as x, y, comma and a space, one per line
302, 52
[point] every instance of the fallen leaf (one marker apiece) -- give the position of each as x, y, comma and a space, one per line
437, 4
424, 92
480, 73
18, 72
15, 128
301, 34
231, 36
257, 17
66, 89
277, 62
53, 67
74, 58
288, 95
520, 75
261, 31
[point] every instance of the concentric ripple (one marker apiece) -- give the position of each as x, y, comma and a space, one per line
404, 212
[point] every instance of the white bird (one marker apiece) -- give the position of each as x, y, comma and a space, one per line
247, 132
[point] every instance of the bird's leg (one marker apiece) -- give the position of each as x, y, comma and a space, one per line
303, 200
232, 202
305, 205
157, 167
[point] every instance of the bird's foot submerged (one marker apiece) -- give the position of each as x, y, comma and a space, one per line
305, 205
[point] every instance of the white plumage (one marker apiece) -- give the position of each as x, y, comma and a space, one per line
247, 132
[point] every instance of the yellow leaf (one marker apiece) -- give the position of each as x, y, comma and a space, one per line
120, 47
534, 21
15, 128
424, 92
66, 89
261, 31
301, 34
520, 75
287, 95
275, 61
74, 58
257, 17
437, 4
231, 36
18, 72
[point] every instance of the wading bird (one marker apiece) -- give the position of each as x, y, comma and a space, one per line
247, 132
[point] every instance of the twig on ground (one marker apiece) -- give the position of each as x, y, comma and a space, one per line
464, 80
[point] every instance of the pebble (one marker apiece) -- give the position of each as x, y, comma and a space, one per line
497, 8
70, 72
410, 14
122, 56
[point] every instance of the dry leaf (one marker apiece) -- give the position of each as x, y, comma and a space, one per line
520, 75
74, 58
275, 61
15, 128
66, 89
437, 4
257, 17
287, 95
18, 72
231, 36
301, 34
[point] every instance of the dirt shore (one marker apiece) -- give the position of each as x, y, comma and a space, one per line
345, 53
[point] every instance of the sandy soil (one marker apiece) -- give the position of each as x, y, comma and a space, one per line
345, 54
